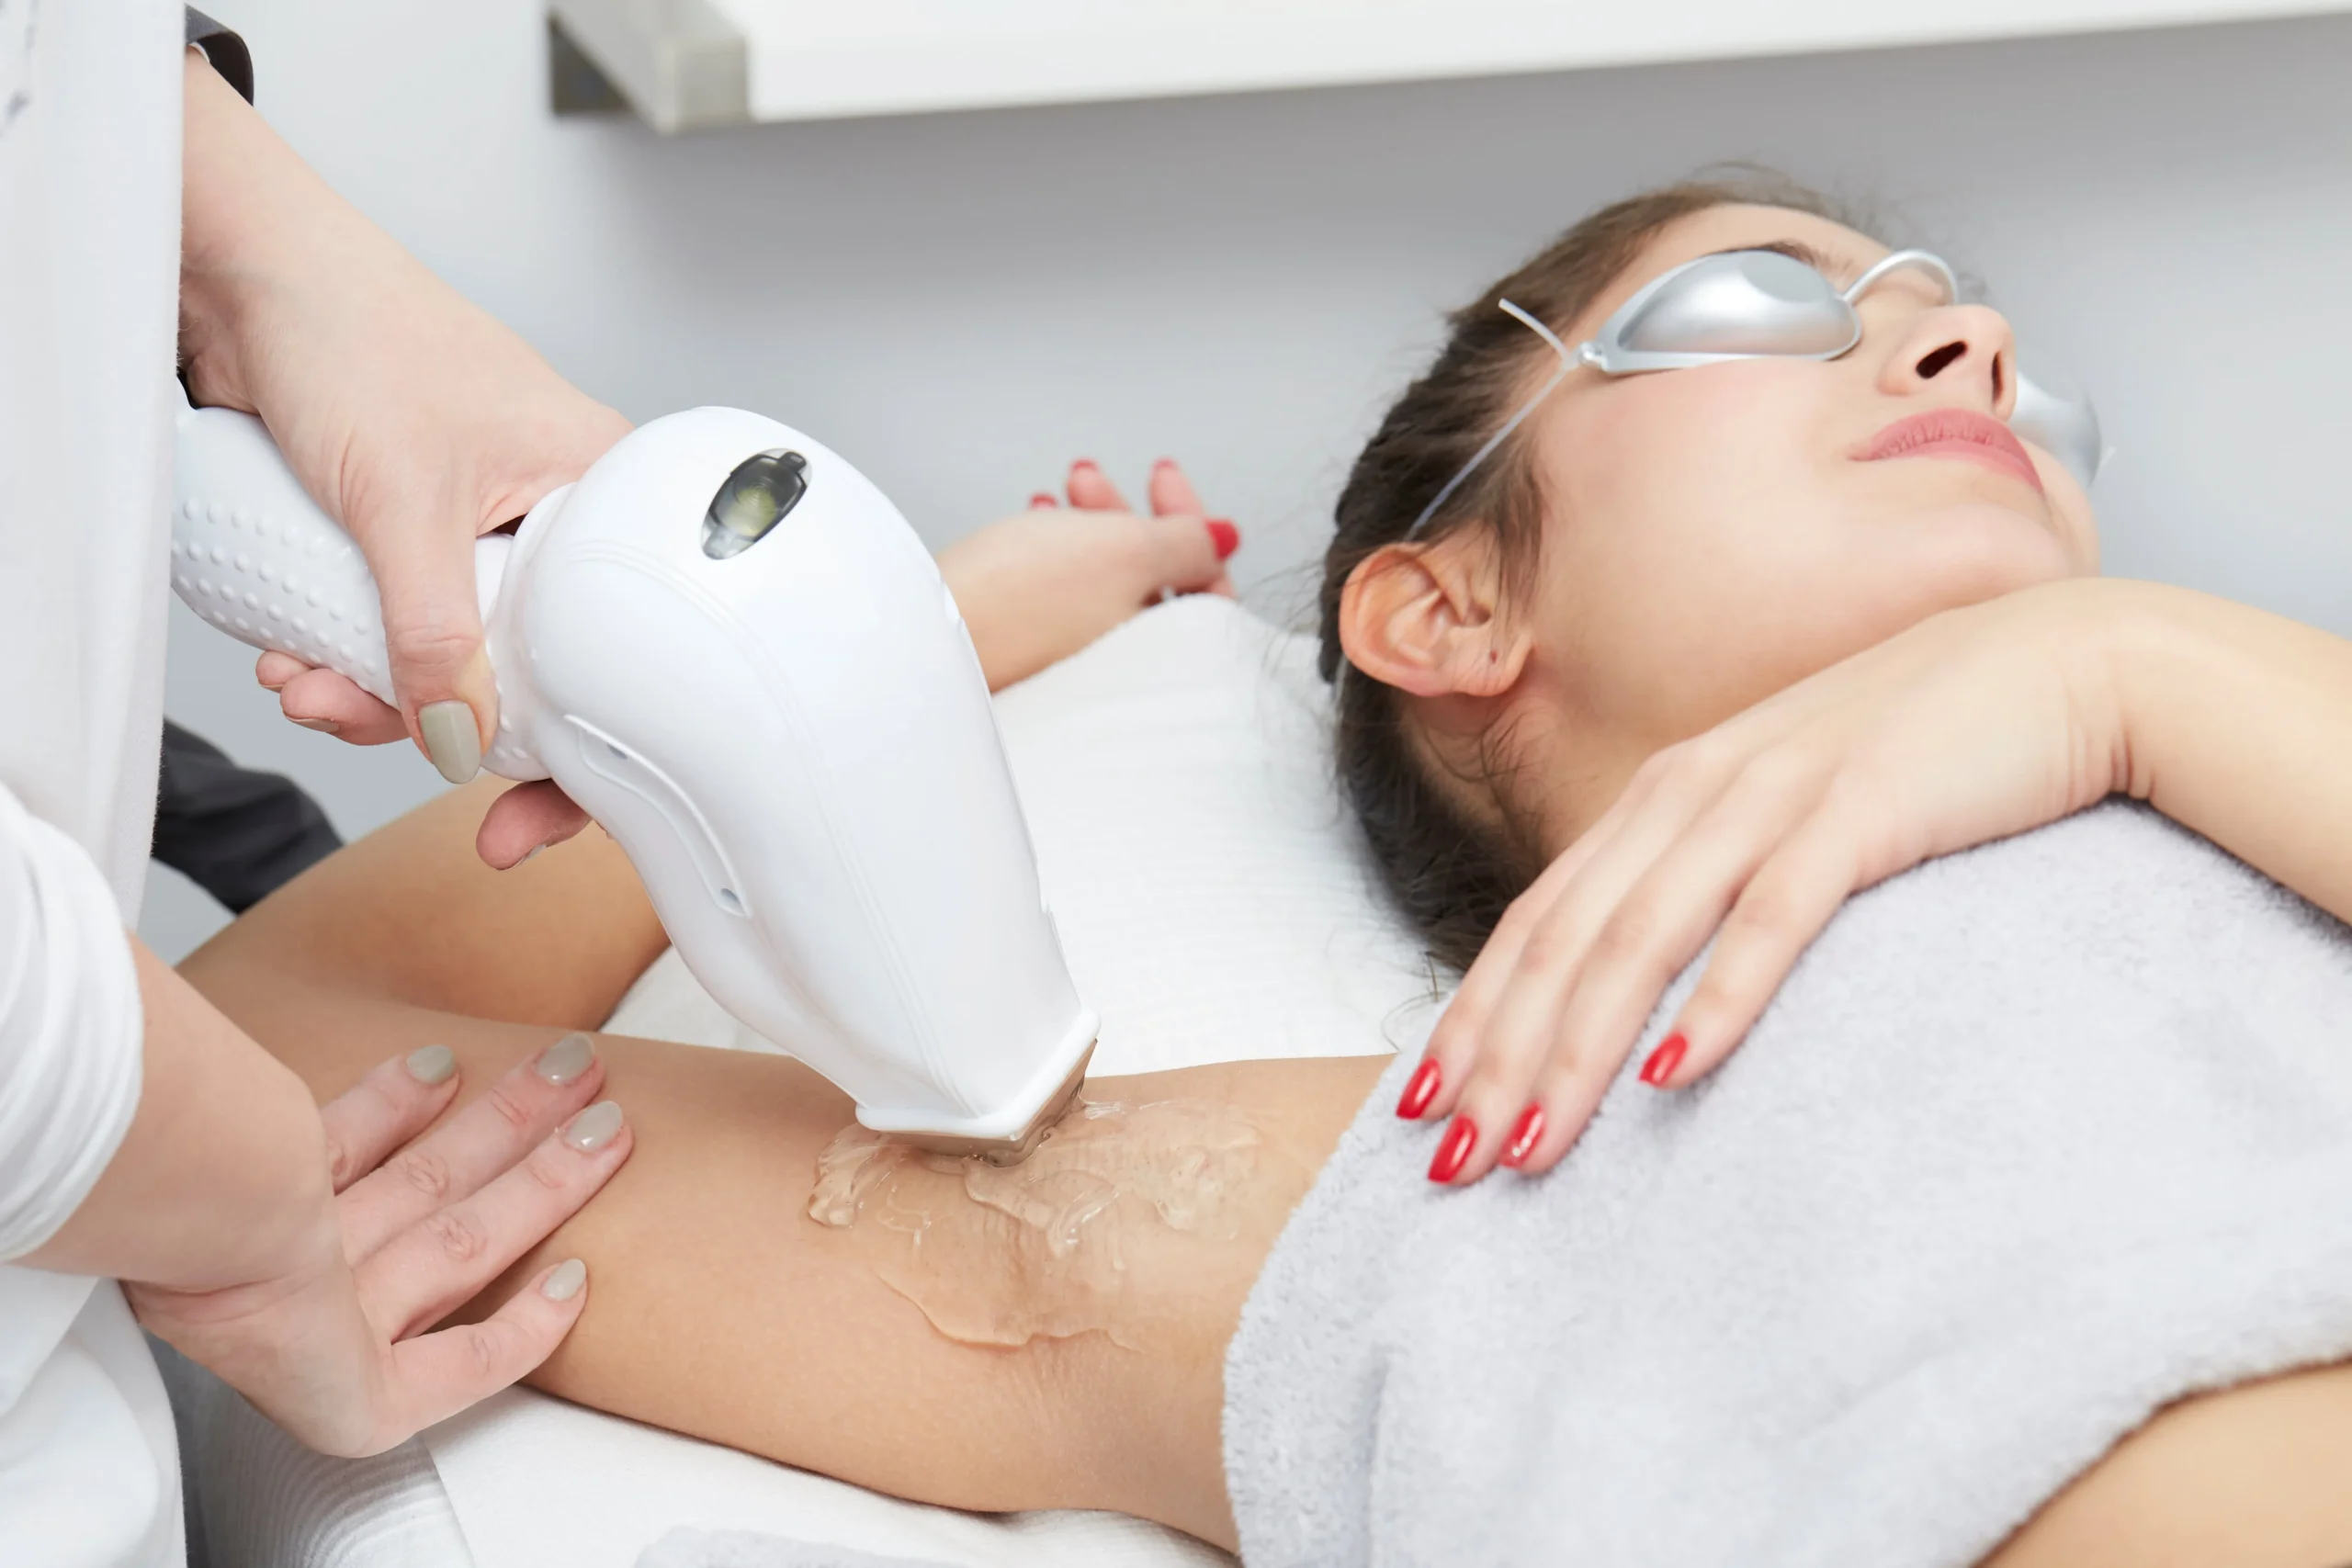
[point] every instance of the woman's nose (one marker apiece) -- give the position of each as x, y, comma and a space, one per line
1968, 348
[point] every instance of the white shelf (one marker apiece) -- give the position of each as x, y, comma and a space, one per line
683, 63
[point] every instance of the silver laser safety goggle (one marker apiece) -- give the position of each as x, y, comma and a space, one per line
1765, 305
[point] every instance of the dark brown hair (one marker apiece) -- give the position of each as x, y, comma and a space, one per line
1451, 874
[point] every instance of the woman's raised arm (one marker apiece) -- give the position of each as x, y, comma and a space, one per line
1972, 724
409, 914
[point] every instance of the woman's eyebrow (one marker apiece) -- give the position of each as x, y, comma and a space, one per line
1831, 267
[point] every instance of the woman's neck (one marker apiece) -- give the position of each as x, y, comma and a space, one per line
1534, 765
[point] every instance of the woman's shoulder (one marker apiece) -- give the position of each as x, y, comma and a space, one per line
2116, 899
2119, 863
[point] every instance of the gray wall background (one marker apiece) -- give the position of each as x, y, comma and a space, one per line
963, 303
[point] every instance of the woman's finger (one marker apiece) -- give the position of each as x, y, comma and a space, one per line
434, 1376
465, 1153
1172, 491
1523, 1024
1792, 895
1454, 1039
1092, 490
322, 700
443, 1260
1186, 554
1661, 925
1564, 1096
393, 1103
1453, 1045
1497, 1072
1454, 1042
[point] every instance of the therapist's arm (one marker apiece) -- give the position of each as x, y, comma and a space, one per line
411, 415
301, 1253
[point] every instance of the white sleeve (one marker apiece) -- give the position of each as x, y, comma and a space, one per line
72, 1030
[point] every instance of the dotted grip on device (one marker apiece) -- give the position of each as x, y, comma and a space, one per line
254, 554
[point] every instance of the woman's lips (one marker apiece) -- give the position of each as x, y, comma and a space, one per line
1954, 432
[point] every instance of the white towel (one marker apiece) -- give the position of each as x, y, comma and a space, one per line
685, 1547
2035, 1140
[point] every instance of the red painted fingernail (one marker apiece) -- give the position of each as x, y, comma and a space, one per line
1454, 1149
1084, 463
1225, 536
1420, 1091
1041, 501
1664, 1060
1523, 1134
1163, 463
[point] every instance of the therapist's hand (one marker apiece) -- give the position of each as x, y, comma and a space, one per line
1972, 724
339, 1346
413, 417
1040, 586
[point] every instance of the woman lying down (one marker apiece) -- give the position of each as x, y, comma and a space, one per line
2014, 1233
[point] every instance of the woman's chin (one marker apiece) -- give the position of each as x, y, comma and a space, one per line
1967, 553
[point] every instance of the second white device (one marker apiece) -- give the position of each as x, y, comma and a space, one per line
727, 645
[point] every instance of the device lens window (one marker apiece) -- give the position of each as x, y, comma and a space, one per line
756, 497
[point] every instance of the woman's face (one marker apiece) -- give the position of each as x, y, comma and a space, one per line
1716, 533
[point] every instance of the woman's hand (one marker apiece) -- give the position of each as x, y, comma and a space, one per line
337, 1346
1038, 587
415, 419
1975, 724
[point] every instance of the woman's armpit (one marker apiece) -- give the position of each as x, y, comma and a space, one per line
1117, 1224
718, 1308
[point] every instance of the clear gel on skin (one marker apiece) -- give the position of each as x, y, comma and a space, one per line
1051, 1247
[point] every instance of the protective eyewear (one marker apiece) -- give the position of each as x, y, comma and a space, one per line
1765, 305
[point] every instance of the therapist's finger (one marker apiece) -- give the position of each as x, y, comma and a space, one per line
1091, 490
393, 1103
465, 1152
525, 820
417, 530
437, 1375
443, 1260
325, 701
274, 669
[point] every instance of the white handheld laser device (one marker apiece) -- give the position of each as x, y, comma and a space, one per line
730, 648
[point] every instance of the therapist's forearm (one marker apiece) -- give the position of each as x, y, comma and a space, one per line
2238, 723
222, 1178
256, 223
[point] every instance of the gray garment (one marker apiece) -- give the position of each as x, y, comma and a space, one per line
2036, 1138
747, 1549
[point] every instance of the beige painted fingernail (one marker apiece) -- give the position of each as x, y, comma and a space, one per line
565, 1283
594, 1127
323, 726
432, 1063
451, 738
566, 1059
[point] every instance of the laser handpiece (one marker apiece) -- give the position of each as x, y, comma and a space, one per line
729, 647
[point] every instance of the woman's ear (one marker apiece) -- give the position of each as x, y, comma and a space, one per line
1429, 619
